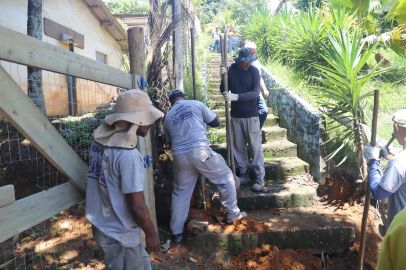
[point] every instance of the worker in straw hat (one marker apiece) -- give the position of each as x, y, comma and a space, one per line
115, 202
392, 182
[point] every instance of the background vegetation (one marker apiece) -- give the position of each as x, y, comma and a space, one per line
333, 53
127, 6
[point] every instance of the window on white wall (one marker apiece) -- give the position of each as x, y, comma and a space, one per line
101, 57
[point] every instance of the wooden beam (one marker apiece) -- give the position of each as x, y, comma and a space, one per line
32, 123
19, 48
7, 195
25, 213
106, 23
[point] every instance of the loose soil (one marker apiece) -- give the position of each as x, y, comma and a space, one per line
65, 241
269, 257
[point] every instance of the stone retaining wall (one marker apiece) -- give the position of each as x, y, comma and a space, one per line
302, 122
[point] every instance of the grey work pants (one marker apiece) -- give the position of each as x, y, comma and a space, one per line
117, 257
246, 131
187, 168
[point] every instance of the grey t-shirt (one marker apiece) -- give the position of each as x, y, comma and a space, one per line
185, 125
394, 181
112, 173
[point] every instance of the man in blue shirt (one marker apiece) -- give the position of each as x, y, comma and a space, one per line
185, 127
392, 182
243, 83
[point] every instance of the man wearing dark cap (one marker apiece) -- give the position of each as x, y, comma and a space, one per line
243, 84
185, 126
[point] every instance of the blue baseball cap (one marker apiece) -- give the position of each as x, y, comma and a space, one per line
175, 94
245, 55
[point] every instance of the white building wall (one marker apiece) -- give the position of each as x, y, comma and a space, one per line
75, 15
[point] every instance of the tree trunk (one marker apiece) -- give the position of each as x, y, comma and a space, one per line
177, 12
34, 75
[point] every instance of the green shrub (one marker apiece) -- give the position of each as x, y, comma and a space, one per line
188, 86
261, 30
343, 90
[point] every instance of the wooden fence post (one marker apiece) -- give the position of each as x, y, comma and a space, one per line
136, 47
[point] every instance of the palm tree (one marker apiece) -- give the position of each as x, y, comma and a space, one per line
342, 90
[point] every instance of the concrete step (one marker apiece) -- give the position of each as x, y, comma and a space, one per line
278, 195
215, 104
271, 120
270, 133
276, 168
214, 81
299, 228
279, 148
272, 149
213, 88
217, 97
283, 167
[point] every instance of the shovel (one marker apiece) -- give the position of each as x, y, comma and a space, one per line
229, 135
367, 189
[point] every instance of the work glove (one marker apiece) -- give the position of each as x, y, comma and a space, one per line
384, 153
228, 96
223, 70
371, 152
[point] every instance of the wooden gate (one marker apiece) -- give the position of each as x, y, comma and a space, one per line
17, 216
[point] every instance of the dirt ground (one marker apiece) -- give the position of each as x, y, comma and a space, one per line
270, 257
65, 241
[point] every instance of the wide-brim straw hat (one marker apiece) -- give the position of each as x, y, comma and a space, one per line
134, 106
122, 136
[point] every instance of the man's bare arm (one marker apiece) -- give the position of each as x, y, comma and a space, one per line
140, 213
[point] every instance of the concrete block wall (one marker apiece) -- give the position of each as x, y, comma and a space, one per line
301, 120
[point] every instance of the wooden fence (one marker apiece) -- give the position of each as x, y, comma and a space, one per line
17, 216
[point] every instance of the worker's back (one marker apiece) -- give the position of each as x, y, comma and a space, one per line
394, 181
185, 125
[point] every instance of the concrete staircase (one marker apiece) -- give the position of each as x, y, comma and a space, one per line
281, 162
290, 188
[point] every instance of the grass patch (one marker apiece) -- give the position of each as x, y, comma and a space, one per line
287, 78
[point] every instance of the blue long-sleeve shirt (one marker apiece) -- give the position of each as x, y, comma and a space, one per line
390, 184
245, 83
374, 176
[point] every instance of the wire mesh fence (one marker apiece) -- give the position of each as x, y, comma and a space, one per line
65, 240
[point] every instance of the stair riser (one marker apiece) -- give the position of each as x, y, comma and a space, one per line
277, 172
279, 134
290, 151
274, 201
268, 152
275, 135
270, 121
328, 240
274, 172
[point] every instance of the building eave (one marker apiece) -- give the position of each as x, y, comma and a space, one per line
108, 22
